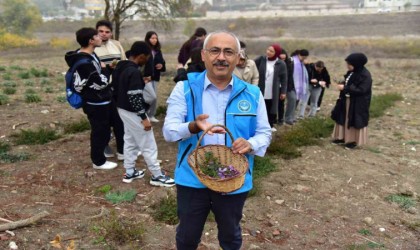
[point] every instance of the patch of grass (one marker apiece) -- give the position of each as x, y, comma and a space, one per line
38, 73
45, 81
165, 210
29, 83
7, 76
404, 201
382, 102
114, 232
2, 68
33, 137
262, 167
31, 98
161, 110
77, 127
4, 99
121, 196
9, 91
6, 157
413, 143
305, 133
16, 67
30, 91
24, 75
375, 245
10, 84
364, 232
374, 150
369, 245
61, 99
12, 158
104, 189
48, 90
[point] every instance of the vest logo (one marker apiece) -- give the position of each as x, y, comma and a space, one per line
244, 106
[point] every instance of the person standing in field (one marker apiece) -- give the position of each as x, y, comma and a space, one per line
92, 83
194, 41
138, 132
272, 80
154, 66
246, 69
351, 112
110, 52
215, 96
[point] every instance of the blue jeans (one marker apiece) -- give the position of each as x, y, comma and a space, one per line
312, 96
194, 205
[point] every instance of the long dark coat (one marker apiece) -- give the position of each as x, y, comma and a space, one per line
359, 87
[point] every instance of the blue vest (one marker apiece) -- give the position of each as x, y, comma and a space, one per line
240, 119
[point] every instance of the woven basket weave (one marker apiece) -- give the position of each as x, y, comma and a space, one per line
226, 158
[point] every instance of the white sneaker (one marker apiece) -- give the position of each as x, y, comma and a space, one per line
273, 129
318, 109
120, 157
107, 165
153, 119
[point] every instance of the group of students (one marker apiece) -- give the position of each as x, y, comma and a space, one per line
118, 89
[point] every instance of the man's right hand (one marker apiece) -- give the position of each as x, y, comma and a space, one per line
203, 124
147, 124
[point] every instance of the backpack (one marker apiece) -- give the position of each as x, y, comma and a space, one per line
73, 97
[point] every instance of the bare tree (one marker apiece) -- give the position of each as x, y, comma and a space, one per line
160, 11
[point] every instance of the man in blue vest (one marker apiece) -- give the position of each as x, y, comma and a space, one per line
214, 96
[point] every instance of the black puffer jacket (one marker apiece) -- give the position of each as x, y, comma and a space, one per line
150, 67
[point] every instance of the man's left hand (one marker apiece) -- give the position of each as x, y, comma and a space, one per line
241, 146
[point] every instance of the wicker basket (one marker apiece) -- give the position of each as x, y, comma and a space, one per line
226, 158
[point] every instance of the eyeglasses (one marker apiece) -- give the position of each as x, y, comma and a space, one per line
226, 52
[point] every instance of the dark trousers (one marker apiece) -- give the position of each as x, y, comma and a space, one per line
320, 97
280, 118
117, 127
98, 116
271, 117
194, 205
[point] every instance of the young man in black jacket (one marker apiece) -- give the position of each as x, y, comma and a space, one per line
93, 85
138, 133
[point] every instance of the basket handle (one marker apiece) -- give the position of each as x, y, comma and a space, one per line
205, 132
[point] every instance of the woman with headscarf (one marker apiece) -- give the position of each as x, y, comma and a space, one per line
300, 82
351, 113
272, 80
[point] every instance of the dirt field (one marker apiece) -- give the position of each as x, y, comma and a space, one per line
330, 198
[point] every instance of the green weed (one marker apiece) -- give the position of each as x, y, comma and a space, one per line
165, 210
29, 83
4, 147
61, 99
45, 81
10, 84
38, 73
413, 143
16, 67
31, 98
364, 232
2, 68
115, 232
7, 76
24, 75
104, 189
382, 102
48, 90
32, 137
9, 91
404, 201
262, 167
77, 127
6, 157
161, 110
121, 196
30, 91
3, 99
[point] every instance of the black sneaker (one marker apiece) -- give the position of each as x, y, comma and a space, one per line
350, 145
338, 141
162, 181
137, 175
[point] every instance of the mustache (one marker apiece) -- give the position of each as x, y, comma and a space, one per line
221, 63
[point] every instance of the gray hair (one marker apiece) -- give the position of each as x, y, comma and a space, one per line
238, 45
